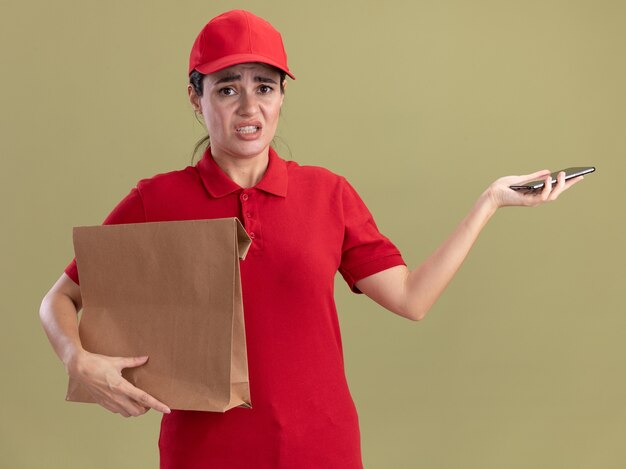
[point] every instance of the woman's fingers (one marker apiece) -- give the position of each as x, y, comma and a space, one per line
562, 185
570, 183
547, 188
534, 176
125, 399
558, 187
125, 408
142, 400
130, 362
552, 192
103, 377
145, 400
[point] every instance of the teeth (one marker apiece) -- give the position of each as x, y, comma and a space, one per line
248, 129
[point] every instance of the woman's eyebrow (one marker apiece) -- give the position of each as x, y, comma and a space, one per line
237, 77
227, 78
265, 79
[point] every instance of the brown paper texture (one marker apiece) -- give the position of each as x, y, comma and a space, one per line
170, 290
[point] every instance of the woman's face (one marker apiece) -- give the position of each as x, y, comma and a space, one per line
240, 105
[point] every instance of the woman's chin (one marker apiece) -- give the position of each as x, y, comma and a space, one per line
249, 148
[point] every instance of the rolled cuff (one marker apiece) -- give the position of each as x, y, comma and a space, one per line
370, 267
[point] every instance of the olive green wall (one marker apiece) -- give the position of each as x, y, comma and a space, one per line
420, 105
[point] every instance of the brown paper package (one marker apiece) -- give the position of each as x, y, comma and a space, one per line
172, 291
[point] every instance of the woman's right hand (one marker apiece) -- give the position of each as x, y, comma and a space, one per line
102, 377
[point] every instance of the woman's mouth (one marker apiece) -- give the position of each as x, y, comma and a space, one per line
248, 129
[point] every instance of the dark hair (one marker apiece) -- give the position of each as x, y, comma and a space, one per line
196, 80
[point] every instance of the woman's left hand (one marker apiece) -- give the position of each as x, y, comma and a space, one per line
502, 195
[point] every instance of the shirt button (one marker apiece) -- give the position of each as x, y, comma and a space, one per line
252, 235
244, 197
248, 214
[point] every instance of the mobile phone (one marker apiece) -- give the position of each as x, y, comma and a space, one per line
569, 174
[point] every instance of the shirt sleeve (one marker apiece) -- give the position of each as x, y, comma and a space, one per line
365, 250
129, 210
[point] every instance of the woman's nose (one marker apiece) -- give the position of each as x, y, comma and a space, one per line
247, 103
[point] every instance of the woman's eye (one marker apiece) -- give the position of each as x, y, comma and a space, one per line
226, 91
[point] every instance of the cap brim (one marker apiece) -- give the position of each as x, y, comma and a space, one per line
228, 61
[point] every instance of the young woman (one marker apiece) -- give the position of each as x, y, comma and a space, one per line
306, 224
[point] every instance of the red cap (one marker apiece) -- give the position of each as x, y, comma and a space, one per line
235, 37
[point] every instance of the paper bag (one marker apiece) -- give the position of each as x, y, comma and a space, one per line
170, 290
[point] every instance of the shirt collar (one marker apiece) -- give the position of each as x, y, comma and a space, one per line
219, 184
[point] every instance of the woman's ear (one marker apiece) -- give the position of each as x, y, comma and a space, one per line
282, 95
194, 99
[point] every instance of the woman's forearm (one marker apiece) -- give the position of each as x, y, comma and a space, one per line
59, 319
425, 283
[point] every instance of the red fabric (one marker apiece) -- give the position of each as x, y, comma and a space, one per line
308, 223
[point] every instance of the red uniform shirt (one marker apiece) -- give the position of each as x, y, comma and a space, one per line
306, 223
